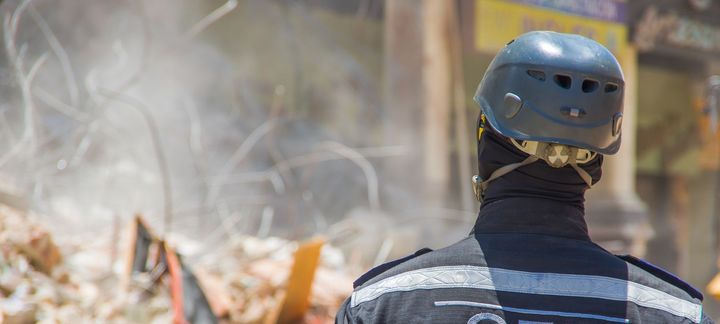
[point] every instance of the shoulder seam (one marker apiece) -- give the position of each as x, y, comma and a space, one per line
378, 270
663, 275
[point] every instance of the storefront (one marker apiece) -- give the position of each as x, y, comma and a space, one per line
498, 21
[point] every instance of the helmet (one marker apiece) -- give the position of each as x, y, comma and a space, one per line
555, 88
557, 97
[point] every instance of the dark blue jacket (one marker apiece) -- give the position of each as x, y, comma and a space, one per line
528, 262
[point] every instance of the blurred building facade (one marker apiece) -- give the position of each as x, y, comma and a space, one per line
659, 196
662, 185
678, 50
668, 50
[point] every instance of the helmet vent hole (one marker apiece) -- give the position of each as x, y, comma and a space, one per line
611, 87
589, 86
535, 74
563, 81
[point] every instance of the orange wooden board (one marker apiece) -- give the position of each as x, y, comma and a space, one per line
299, 285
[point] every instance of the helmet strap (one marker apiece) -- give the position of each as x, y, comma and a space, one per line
583, 174
559, 155
555, 155
480, 185
574, 164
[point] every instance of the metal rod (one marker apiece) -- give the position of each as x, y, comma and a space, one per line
158, 148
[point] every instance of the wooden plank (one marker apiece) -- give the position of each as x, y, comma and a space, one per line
176, 287
299, 285
714, 287
136, 226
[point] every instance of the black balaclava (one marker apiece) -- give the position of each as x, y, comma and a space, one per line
536, 180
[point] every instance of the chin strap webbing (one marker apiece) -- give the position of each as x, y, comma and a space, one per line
482, 186
583, 174
580, 171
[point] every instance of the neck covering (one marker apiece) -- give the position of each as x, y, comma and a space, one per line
536, 180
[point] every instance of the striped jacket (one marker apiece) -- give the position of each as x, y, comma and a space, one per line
524, 270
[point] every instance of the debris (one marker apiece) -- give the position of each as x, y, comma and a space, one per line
296, 297
153, 257
29, 239
216, 292
250, 280
714, 287
34, 286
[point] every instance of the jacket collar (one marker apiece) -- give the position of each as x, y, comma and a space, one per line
532, 216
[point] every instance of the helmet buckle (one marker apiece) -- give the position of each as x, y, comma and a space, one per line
556, 155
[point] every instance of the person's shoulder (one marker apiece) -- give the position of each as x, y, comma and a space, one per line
374, 295
381, 271
421, 259
658, 289
352, 309
659, 277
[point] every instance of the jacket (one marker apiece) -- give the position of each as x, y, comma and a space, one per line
527, 261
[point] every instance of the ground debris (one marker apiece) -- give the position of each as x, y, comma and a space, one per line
245, 281
34, 284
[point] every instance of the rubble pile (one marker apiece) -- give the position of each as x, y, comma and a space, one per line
34, 285
249, 286
244, 281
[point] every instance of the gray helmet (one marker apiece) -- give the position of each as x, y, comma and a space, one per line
555, 88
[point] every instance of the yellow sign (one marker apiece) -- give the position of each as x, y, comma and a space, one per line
497, 22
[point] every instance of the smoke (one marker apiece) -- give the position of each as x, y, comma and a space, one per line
200, 117
212, 120
99, 120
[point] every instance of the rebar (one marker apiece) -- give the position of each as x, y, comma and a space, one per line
211, 18
365, 165
239, 155
157, 146
61, 54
